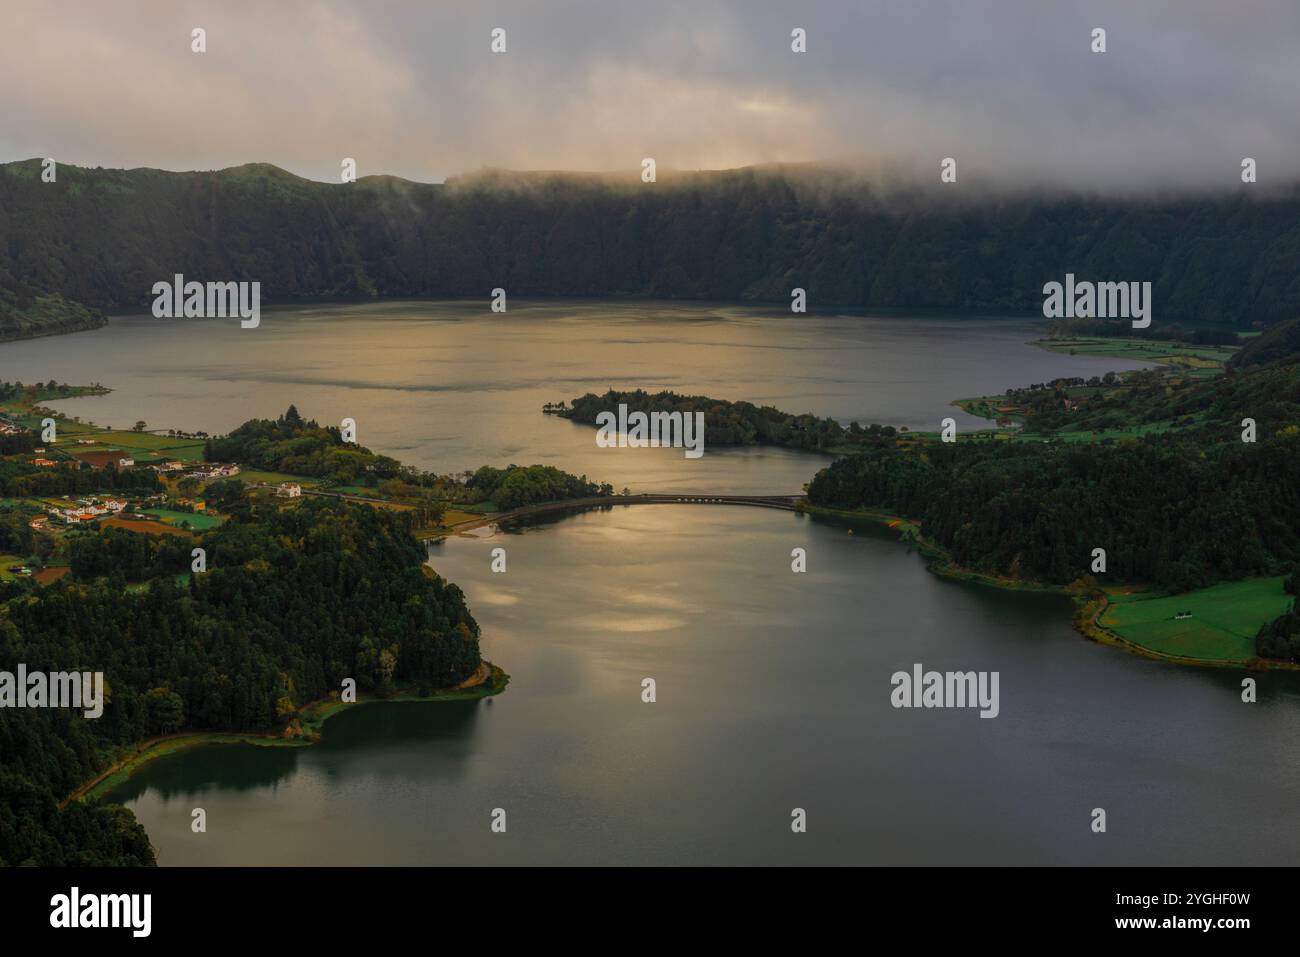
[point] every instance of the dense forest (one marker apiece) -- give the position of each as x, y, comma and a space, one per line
293, 602
104, 237
25, 313
731, 423
1279, 344
517, 485
1170, 510
1280, 638
1185, 506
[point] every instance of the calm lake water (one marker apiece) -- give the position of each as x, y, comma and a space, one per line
773, 688
450, 386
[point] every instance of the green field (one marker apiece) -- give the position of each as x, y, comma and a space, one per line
1197, 360
199, 521
182, 579
365, 491
252, 476
5, 562
1225, 619
142, 446
164, 446
1144, 428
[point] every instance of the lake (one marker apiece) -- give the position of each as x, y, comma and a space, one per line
773, 688
451, 386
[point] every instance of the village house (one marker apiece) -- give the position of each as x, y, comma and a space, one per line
39, 521
213, 470
289, 490
45, 463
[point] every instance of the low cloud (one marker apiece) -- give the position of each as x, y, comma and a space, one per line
1009, 88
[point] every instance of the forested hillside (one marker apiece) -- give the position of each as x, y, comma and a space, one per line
293, 602
1279, 344
24, 315
104, 237
1174, 511
1184, 507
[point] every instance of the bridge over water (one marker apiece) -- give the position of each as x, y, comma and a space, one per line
788, 503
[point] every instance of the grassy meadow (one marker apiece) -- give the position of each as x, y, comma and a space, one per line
1225, 619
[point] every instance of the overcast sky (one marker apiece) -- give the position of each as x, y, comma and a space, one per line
1008, 87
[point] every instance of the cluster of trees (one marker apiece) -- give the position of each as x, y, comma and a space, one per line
1280, 638
17, 537
26, 313
298, 446
731, 423
1279, 344
1170, 510
1181, 509
20, 478
737, 235
301, 447
517, 485
17, 443
1049, 406
34, 390
116, 552
293, 602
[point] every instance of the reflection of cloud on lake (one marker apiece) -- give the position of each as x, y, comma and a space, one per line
493, 596
624, 624
653, 599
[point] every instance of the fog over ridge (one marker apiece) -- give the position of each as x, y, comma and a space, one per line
1010, 88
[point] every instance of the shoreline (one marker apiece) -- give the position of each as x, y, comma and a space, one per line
1089, 607
308, 722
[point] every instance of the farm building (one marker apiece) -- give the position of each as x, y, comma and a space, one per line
104, 458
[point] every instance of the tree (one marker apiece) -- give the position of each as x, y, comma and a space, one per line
139, 426
166, 710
